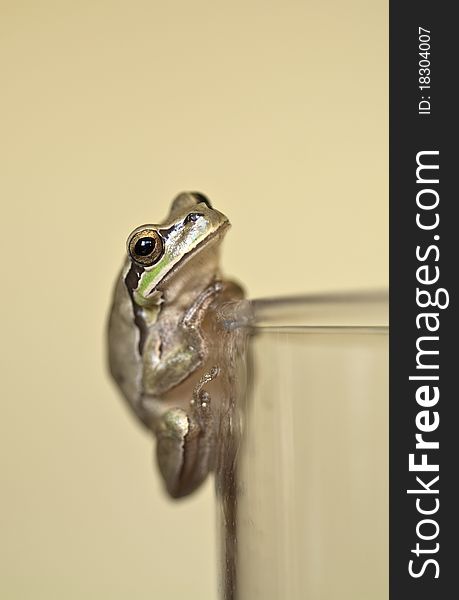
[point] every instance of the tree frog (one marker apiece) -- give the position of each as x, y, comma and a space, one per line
165, 348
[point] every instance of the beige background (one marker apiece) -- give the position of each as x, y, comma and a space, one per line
275, 109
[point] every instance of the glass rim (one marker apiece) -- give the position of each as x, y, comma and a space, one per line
335, 312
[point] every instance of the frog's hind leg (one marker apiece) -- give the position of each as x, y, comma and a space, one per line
185, 442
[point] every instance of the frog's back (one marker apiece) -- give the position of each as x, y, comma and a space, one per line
123, 346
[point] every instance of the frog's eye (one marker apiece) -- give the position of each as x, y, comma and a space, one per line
146, 247
192, 217
201, 198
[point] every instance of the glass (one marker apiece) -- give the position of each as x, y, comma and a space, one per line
304, 501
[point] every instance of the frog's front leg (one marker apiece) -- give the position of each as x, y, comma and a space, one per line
185, 442
164, 369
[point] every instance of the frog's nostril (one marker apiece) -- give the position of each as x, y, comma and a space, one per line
193, 217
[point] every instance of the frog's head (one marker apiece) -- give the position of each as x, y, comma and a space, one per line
158, 252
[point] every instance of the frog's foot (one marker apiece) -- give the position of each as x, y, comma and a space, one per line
200, 404
185, 442
196, 312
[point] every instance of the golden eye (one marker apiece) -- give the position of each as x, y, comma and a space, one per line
146, 247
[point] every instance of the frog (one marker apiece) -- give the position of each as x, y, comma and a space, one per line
165, 348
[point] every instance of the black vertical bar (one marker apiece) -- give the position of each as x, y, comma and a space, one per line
423, 131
